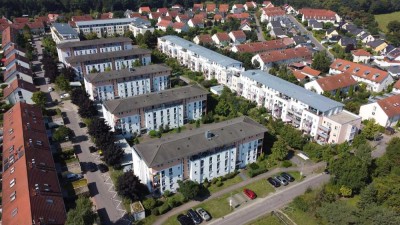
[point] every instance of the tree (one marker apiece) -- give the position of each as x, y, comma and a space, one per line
293, 137
82, 214
62, 133
68, 73
337, 212
393, 152
279, 150
39, 98
345, 191
137, 63
367, 196
371, 129
363, 152
189, 189
128, 185
321, 62
91, 36
393, 26
63, 83
113, 154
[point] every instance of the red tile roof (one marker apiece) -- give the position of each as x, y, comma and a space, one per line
36, 25
155, 15
21, 20
321, 14
42, 19
360, 70
8, 35
18, 83
135, 14
53, 17
108, 15
281, 55
239, 34
397, 85
250, 5
178, 25
81, 18
274, 11
218, 17
28, 159
360, 52
223, 8
223, 36
165, 18
183, 17
3, 21
196, 21
240, 16
390, 105
336, 82
173, 13
162, 10
257, 47
204, 38
210, 7
299, 76
164, 23
15, 57
145, 9
197, 7
309, 71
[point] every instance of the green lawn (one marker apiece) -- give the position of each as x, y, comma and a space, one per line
384, 19
214, 188
79, 183
300, 217
266, 220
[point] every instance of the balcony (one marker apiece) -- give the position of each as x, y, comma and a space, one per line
323, 128
323, 134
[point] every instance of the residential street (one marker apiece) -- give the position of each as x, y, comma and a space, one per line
310, 35
273, 202
306, 170
259, 29
109, 206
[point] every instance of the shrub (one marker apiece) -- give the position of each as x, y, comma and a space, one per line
214, 180
155, 212
287, 163
167, 193
164, 208
219, 183
231, 175
149, 204
300, 204
154, 133
253, 166
253, 173
172, 202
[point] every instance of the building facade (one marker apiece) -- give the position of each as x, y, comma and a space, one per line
63, 32
142, 113
205, 153
385, 111
31, 190
127, 82
104, 28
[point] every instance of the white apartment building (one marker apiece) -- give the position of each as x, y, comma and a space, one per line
197, 58
127, 82
140, 26
103, 61
107, 27
142, 113
292, 104
376, 80
385, 110
63, 32
212, 150
89, 47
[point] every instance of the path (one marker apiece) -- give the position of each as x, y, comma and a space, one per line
261, 206
260, 35
306, 170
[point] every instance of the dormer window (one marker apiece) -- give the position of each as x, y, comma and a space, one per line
367, 72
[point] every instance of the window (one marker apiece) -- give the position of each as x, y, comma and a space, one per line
49, 201
12, 182
12, 170
13, 196
14, 212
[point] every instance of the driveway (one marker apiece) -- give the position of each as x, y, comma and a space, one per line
260, 35
309, 34
109, 205
277, 200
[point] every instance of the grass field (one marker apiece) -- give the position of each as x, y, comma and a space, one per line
384, 19
300, 217
266, 220
214, 188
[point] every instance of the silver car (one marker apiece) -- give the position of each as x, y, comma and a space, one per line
282, 180
204, 215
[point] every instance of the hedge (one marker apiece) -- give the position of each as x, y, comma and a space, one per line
253, 173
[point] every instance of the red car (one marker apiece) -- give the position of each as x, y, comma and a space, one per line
249, 193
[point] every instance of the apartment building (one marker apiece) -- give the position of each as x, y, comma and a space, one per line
292, 104
31, 191
127, 82
105, 27
339, 128
197, 58
272, 14
16, 59
63, 32
14, 49
142, 113
212, 150
385, 110
8, 37
320, 15
115, 60
286, 56
140, 26
18, 72
258, 47
89, 47
376, 80
19, 91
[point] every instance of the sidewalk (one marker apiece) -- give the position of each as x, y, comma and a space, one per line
306, 171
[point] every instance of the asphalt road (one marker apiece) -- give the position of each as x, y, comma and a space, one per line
109, 206
259, 29
273, 202
310, 36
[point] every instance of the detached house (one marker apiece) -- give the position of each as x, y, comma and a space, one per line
203, 38
250, 5
237, 8
320, 15
271, 14
144, 9
237, 37
210, 7
377, 45
221, 39
331, 84
164, 24
361, 56
180, 27
376, 80
196, 22
286, 56
331, 32
386, 111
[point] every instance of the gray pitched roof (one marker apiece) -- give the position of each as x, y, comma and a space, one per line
106, 21
193, 142
375, 43
299, 39
278, 31
94, 42
118, 74
348, 41
153, 99
107, 55
310, 98
275, 23
202, 51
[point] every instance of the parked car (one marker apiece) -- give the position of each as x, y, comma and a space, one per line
195, 217
103, 167
92, 167
82, 125
249, 193
287, 176
50, 89
274, 182
203, 214
92, 149
74, 176
184, 220
282, 180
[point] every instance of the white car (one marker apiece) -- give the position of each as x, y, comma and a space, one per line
204, 215
50, 89
66, 95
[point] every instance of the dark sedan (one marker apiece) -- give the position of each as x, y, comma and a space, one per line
185, 220
287, 176
274, 182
